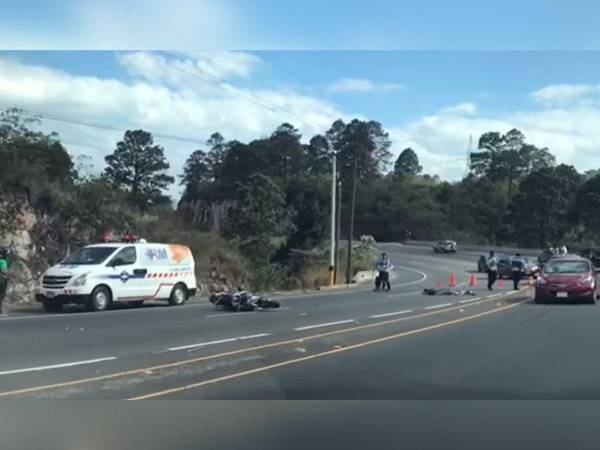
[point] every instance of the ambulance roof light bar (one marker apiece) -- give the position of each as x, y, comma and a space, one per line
111, 238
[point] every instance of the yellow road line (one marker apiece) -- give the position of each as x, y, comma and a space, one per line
141, 371
322, 354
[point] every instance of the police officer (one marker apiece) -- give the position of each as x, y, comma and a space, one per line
383, 266
492, 264
518, 270
3, 275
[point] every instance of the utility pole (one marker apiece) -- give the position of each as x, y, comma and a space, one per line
333, 217
338, 232
351, 233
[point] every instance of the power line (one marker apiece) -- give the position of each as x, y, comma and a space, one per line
219, 84
98, 125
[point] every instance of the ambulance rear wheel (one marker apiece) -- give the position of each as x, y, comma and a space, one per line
100, 299
179, 295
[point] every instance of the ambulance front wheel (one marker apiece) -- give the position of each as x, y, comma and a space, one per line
100, 299
179, 295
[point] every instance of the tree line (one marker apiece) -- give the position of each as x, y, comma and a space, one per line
279, 188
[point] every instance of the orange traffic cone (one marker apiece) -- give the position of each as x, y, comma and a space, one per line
501, 284
473, 281
452, 280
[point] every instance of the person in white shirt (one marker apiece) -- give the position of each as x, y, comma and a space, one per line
492, 264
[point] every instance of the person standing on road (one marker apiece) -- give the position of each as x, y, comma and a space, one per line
383, 266
492, 264
3, 276
518, 270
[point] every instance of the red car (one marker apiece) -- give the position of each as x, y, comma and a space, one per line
567, 278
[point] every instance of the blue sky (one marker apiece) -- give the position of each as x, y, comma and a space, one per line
310, 24
410, 68
498, 81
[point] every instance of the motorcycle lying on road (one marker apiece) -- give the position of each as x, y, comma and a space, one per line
241, 301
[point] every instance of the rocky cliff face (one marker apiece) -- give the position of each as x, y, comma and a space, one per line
18, 223
208, 216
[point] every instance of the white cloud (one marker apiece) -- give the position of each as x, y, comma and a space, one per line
441, 139
183, 68
158, 106
360, 85
564, 93
462, 109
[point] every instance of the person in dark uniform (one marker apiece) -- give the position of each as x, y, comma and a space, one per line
3, 276
518, 270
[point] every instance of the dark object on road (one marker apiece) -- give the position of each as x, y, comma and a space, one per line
567, 278
382, 280
447, 292
241, 301
445, 247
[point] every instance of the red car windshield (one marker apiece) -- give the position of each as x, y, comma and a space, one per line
554, 267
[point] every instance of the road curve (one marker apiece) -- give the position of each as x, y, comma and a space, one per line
369, 343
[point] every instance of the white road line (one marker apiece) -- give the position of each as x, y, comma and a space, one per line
471, 300
235, 314
231, 314
58, 366
420, 280
379, 316
254, 336
201, 344
319, 325
439, 306
220, 341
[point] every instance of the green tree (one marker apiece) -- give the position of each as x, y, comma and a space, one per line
29, 159
260, 215
216, 155
587, 205
540, 212
138, 167
407, 163
508, 157
309, 198
285, 152
197, 173
365, 142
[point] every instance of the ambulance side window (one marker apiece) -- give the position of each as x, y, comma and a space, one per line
125, 257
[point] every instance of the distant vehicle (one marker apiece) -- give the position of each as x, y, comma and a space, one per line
445, 247
567, 278
98, 275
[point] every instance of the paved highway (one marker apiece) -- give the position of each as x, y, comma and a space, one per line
328, 345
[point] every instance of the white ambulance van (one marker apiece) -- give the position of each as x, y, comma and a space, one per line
99, 275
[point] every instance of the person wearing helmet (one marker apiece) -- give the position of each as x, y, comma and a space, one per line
3, 276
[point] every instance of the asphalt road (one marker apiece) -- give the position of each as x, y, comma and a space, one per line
343, 344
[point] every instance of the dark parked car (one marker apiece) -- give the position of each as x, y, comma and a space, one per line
567, 278
505, 267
